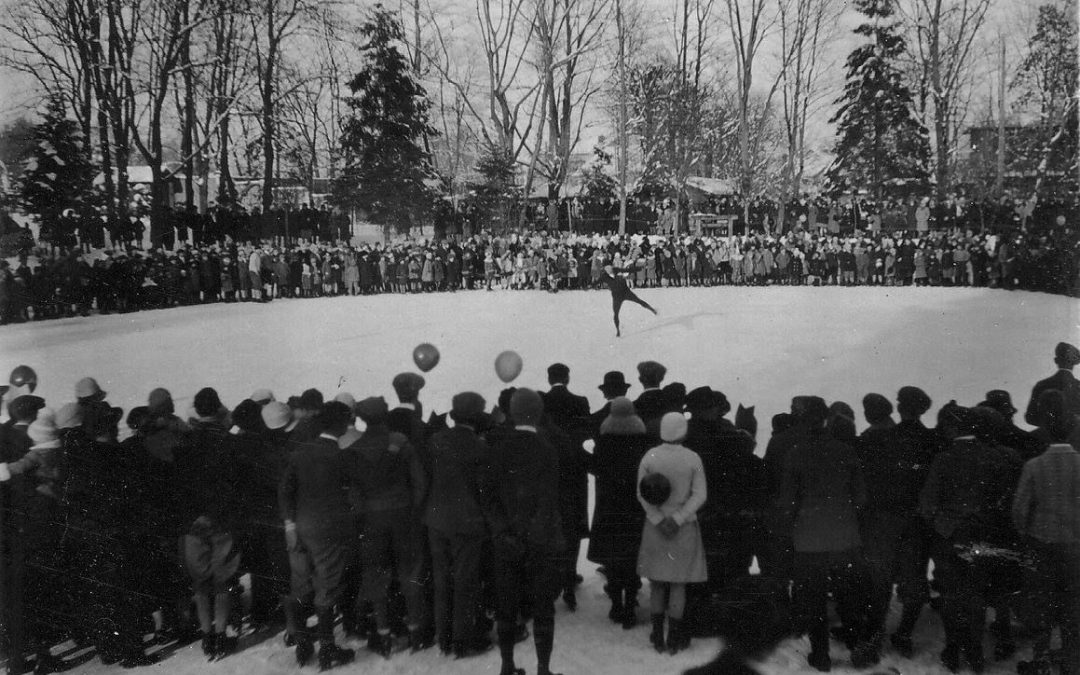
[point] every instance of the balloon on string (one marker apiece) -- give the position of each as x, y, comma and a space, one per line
508, 365
425, 356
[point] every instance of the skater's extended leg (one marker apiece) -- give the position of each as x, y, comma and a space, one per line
634, 298
616, 305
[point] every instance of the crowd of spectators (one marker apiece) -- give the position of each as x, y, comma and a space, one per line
63, 281
416, 534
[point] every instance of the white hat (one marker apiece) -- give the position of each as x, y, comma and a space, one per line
673, 427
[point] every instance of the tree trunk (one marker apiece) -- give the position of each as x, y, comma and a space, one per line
187, 140
623, 116
268, 109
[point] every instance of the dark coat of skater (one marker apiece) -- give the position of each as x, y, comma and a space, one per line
620, 292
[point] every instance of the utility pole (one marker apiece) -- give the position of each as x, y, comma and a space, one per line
620, 24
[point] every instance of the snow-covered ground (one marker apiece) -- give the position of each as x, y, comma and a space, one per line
760, 346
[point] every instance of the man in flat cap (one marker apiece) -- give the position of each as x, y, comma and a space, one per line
408, 416
1066, 356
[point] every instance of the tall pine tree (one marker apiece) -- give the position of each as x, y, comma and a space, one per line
382, 139
58, 174
880, 146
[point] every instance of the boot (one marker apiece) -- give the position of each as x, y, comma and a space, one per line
617, 607
629, 618
950, 657
657, 635
678, 638
331, 656
304, 651
381, 644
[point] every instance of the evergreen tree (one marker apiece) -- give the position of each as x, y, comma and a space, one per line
58, 174
880, 146
497, 196
382, 139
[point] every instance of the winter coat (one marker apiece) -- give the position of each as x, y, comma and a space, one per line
458, 458
969, 489
821, 491
522, 487
389, 473
208, 478
680, 559
618, 516
314, 490
734, 475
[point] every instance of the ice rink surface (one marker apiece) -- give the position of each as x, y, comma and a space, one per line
760, 346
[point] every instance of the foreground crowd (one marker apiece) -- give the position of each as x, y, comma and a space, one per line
65, 282
415, 534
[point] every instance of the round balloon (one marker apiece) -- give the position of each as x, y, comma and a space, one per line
425, 356
24, 376
508, 365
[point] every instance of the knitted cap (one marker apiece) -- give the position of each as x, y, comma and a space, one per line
673, 427
526, 407
912, 400
276, 415
160, 402
207, 403
622, 419
346, 398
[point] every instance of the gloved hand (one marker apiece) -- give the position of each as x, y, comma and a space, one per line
668, 527
292, 542
5, 474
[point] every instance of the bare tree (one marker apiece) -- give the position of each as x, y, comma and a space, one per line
946, 36
805, 27
568, 34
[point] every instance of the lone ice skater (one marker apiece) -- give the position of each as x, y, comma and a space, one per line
620, 292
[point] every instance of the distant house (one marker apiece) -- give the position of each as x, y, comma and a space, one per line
1024, 151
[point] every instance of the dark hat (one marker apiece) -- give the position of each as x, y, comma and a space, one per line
102, 419
207, 403
372, 410
651, 372
999, 400
614, 384
655, 488
526, 407
311, 399
674, 396
876, 408
558, 372
912, 400
25, 407
248, 416
407, 385
333, 415
814, 411
1066, 355
504, 399
703, 398
782, 422
954, 415
467, 407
